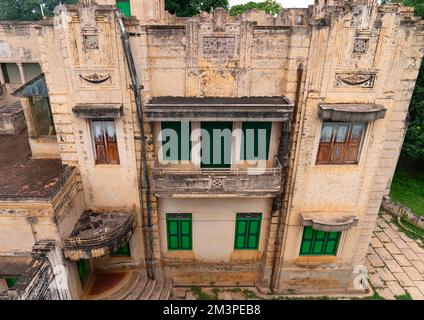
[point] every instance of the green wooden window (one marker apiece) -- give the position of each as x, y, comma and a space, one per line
176, 149
83, 269
316, 242
251, 146
179, 231
248, 228
123, 251
11, 282
216, 146
125, 7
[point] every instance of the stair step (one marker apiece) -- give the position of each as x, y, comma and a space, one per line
126, 289
166, 291
147, 290
157, 290
138, 290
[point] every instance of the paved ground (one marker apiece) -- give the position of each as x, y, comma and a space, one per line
395, 262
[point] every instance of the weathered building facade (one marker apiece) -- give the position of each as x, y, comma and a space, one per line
328, 86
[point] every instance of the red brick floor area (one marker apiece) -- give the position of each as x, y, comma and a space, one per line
25, 178
103, 282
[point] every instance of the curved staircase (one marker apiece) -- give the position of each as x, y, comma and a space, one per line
139, 287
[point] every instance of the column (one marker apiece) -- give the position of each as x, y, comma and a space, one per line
21, 72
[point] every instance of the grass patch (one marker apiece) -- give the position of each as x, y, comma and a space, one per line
200, 295
405, 296
249, 294
408, 188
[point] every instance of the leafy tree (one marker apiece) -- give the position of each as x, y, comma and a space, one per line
269, 6
413, 148
188, 8
28, 10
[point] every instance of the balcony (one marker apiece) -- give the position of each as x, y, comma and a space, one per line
172, 181
98, 234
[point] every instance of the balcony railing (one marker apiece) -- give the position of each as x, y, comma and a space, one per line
172, 181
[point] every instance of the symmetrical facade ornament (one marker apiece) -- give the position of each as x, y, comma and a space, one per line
361, 80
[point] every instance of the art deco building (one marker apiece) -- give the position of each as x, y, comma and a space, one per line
93, 205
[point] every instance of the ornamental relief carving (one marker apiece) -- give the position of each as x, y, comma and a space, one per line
23, 213
358, 80
360, 46
91, 42
95, 79
219, 47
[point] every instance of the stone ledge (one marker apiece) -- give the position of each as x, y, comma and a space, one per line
399, 210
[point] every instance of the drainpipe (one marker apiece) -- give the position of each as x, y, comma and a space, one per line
144, 177
283, 210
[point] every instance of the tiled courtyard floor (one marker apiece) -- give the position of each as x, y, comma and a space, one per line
395, 262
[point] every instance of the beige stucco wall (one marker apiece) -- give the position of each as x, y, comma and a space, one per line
18, 235
213, 224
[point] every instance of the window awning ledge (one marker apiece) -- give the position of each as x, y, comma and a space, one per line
351, 112
329, 222
36, 87
258, 109
99, 111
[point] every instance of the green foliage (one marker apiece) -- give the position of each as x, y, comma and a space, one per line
405, 296
269, 6
413, 147
408, 187
188, 8
28, 10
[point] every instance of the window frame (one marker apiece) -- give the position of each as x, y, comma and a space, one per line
210, 126
179, 218
35, 122
244, 127
180, 157
313, 240
116, 161
123, 9
11, 281
244, 217
86, 272
348, 143
120, 252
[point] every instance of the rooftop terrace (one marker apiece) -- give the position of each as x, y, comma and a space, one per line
22, 177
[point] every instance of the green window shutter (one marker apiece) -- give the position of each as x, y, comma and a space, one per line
83, 268
223, 158
125, 7
123, 251
250, 143
248, 228
180, 145
179, 231
11, 282
316, 242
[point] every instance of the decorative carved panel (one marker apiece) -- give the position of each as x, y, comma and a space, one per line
218, 184
358, 80
95, 78
219, 47
360, 46
91, 42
